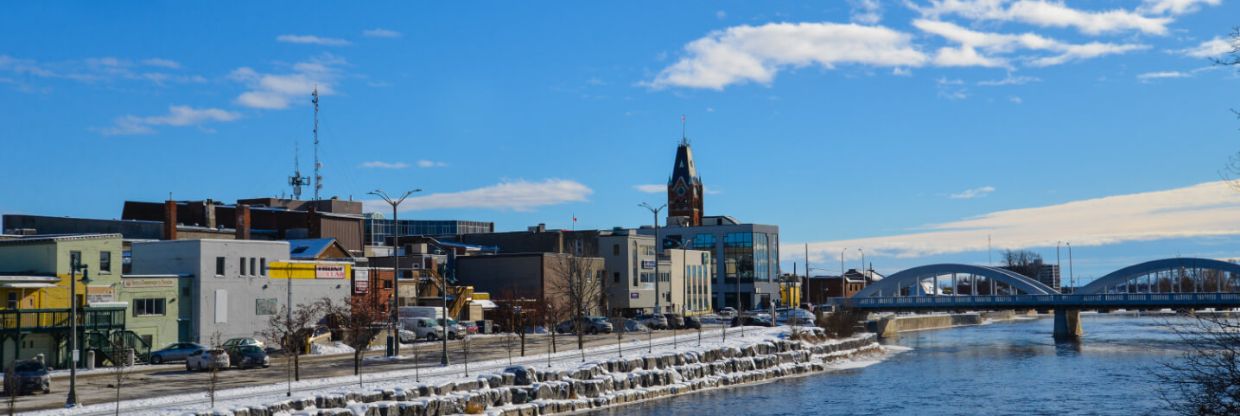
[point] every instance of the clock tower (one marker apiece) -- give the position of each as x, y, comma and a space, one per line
684, 190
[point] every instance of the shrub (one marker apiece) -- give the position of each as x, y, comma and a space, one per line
842, 323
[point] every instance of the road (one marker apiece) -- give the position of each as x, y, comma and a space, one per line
156, 381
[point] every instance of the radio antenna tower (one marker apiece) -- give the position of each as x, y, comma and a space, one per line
297, 181
318, 177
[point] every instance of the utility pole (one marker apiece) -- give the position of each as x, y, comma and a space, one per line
394, 334
1071, 273
74, 265
1058, 267
657, 294
318, 177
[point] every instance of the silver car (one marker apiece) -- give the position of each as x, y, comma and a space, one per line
201, 360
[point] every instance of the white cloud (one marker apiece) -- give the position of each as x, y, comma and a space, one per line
973, 193
745, 53
424, 164
1015, 100
1175, 7
867, 12
651, 188
901, 72
1212, 48
1163, 75
162, 63
1047, 14
1204, 210
1008, 80
178, 116
311, 40
275, 91
518, 195
993, 44
385, 165
381, 33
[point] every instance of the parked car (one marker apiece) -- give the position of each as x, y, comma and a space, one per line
237, 342
653, 321
206, 359
795, 316
455, 330
589, 325
471, 327
692, 322
753, 320
248, 356
176, 351
728, 312
674, 320
422, 328
29, 376
634, 326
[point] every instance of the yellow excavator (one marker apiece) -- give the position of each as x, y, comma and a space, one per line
429, 293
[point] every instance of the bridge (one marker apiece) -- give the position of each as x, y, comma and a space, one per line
1177, 283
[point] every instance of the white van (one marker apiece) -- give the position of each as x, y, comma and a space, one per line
422, 328
433, 312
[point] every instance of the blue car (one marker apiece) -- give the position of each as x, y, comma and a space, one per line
175, 352
28, 376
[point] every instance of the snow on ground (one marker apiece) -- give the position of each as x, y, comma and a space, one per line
567, 358
336, 347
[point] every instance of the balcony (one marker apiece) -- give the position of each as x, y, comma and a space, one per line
31, 321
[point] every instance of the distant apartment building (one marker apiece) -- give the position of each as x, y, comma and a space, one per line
629, 258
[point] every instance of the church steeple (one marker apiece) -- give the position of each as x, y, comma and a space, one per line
684, 189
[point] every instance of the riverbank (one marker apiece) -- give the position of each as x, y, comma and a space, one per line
892, 325
763, 355
568, 381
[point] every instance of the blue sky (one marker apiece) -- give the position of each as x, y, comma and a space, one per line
861, 123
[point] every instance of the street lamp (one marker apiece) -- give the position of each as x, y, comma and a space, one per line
842, 260
74, 265
655, 212
394, 335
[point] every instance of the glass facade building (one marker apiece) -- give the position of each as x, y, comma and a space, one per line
378, 229
746, 257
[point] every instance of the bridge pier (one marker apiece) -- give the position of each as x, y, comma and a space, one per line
1068, 324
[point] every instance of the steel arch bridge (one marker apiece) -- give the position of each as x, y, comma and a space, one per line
1177, 283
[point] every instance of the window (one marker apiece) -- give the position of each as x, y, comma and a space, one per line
12, 301
253, 267
615, 249
387, 284
219, 266
262, 265
265, 306
75, 259
242, 269
105, 262
148, 307
615, 277
738, 252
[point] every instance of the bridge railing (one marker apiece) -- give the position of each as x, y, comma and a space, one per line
1144, 300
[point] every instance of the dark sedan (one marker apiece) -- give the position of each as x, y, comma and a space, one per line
28, 376
249, 356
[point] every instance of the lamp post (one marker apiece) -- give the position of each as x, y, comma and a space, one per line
74, 265
863, 275
657, 295
1071, 274
394, 335
842, 260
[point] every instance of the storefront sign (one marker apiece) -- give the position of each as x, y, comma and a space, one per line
361, 281
143, 283
647, 264
329, 271
634, 295
100, 294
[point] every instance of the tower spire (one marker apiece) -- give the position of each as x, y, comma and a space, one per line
318, 177
684, 139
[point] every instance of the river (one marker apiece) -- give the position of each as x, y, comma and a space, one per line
1004, 368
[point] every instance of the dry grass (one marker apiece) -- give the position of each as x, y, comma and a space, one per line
474, 408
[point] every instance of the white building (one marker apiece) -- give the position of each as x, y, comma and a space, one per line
629, 260
227, 286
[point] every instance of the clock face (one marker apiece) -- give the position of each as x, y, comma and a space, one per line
680, 190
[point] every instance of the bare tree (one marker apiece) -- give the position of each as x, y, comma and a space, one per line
290, 330
1231, 171
213, 379
578, 283
120, 367
1206, 381
10, 386
359, 322
1024, 262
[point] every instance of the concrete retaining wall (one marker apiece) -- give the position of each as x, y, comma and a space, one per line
893, 325
527, 391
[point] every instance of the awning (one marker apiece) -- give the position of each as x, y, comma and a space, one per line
486, 304
26, 285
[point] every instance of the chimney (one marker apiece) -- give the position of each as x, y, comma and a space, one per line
314, 223
210, 208
170, 220
243, 222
